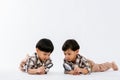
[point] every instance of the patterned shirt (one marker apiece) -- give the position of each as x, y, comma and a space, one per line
33, 62
80, 61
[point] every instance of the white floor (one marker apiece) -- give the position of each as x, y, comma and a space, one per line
18, 75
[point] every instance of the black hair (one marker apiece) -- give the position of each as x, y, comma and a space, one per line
70, 44
45, 45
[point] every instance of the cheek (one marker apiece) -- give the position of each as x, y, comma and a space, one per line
72, 57
48, 57
41, 56
68, 57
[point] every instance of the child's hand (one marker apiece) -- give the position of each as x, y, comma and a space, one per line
23, 62
41, 70
80, 70
74, 72
77, 70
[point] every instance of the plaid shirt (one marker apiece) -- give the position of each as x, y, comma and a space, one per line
33, 62
81, 62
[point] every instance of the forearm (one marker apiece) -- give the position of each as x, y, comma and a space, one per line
35, 71
32, 71
72, 72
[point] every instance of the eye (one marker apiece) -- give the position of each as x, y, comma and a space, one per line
45, 54
69, 54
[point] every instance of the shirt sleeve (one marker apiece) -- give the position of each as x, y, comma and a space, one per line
86, 64
48, 65
29, 64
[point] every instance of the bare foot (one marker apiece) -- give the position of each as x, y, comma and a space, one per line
114, 66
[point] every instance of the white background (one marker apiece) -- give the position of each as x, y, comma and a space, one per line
95, 24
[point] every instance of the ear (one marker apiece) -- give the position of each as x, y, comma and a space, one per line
77, 51
36, 49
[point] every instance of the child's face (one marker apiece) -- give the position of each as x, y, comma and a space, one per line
70, 55
43, 55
